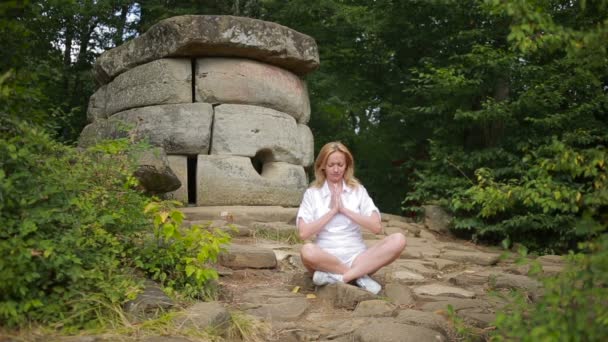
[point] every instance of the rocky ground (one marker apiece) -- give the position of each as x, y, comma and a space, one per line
262, 277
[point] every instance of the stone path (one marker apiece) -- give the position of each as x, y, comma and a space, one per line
262, 276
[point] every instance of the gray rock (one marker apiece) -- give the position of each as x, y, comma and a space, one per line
375, 308
179, 166
437, 219
275, 304
243, 215
386, 331
399, 294
248, 82
154, 173
306, 145
343, 295
443, 290
97, 105
163, 81
241, 256
224, 180
426, 319
242, 130
204, 315
518, 282
212, 35
150, 303
474, 257
441, 303
179, 128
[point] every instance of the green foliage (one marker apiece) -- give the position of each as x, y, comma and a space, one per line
67, 218
573, 308
75, 228
179, 257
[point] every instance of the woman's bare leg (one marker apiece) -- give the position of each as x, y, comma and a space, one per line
316, 259
376, 257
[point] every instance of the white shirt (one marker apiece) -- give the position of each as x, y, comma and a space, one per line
340, 232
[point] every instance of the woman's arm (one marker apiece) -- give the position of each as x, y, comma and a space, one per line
371, 223
309, 229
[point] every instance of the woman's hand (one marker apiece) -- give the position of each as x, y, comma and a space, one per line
335, 204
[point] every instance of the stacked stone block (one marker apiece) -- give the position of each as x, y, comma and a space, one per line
225, 92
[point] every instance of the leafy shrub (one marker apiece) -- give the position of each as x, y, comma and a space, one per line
75, 231
179, 257
573, 308
66, 219
558, 184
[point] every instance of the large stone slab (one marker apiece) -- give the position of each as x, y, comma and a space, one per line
224, 180
243, 130
307, 145
443, 290
244, 81
97, 105
179, 166
343, 295
204, 315
153, 171
275, 304
388, 331
178, 128
212, 35
241, 214
163, 81
473, 257
239, 256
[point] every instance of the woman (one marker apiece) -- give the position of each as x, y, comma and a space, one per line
335, 208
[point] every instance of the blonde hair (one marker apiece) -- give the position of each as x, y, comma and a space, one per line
349, 172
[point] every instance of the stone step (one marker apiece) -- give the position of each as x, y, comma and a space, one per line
243, 215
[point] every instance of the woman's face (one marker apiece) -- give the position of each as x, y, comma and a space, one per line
335, 167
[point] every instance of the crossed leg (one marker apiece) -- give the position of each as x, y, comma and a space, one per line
368, 262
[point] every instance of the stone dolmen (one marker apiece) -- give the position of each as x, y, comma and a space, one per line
222, 101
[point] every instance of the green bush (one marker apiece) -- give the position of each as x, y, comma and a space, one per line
75, 230
574, 306
179, 257
67, 218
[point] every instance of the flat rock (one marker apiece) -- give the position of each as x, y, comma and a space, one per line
420, 252
343, 295
204, 315
387, 331
374, 308
406, 277
212, 35
275, 304
399, 294
478, 258
437, 303
421, 318
240, 256
443, 264
443, 290
243, 215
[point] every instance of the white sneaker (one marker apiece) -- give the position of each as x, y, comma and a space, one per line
368, 284
321, 278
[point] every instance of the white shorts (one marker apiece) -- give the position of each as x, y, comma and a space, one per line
346, 256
